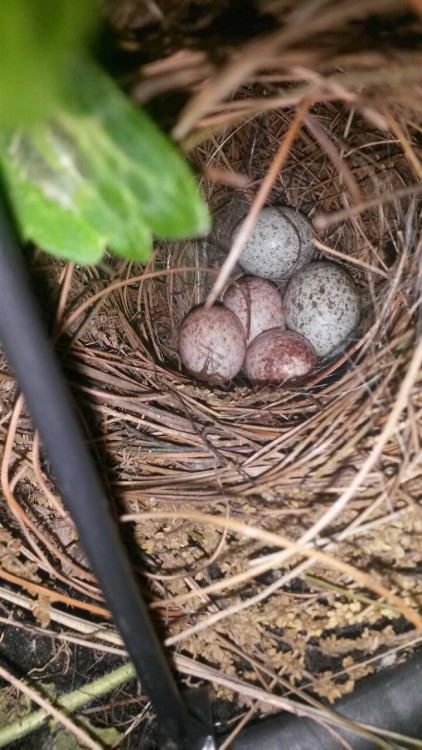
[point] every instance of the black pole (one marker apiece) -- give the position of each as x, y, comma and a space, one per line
31, 356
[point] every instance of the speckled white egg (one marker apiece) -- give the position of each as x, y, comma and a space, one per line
257, 303
280, 242
212, 344
278, 357
322, 302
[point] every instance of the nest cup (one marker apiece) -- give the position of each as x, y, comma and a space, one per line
367, 244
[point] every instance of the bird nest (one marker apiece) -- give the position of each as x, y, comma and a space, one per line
236, 477
278, 530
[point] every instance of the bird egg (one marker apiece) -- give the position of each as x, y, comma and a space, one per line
212, 344
278, 357
279, 243
257, 303
321, 302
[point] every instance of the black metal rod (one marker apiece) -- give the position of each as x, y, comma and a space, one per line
390, 700
31, 356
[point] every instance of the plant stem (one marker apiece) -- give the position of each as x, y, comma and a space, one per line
68, 703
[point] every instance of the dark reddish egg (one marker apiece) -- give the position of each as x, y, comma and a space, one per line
278, 357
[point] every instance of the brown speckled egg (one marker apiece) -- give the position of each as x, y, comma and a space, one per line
321, 302
257, 303
280, 242
278, 357
212, 344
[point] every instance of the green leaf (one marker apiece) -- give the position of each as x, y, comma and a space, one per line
99, 174
37, 39
39, 200
143, 158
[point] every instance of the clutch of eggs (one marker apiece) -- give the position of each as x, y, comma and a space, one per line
321, 309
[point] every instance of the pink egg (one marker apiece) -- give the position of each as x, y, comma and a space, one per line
212, 344
257, 303
278, 357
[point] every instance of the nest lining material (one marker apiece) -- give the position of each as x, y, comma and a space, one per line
345, 448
